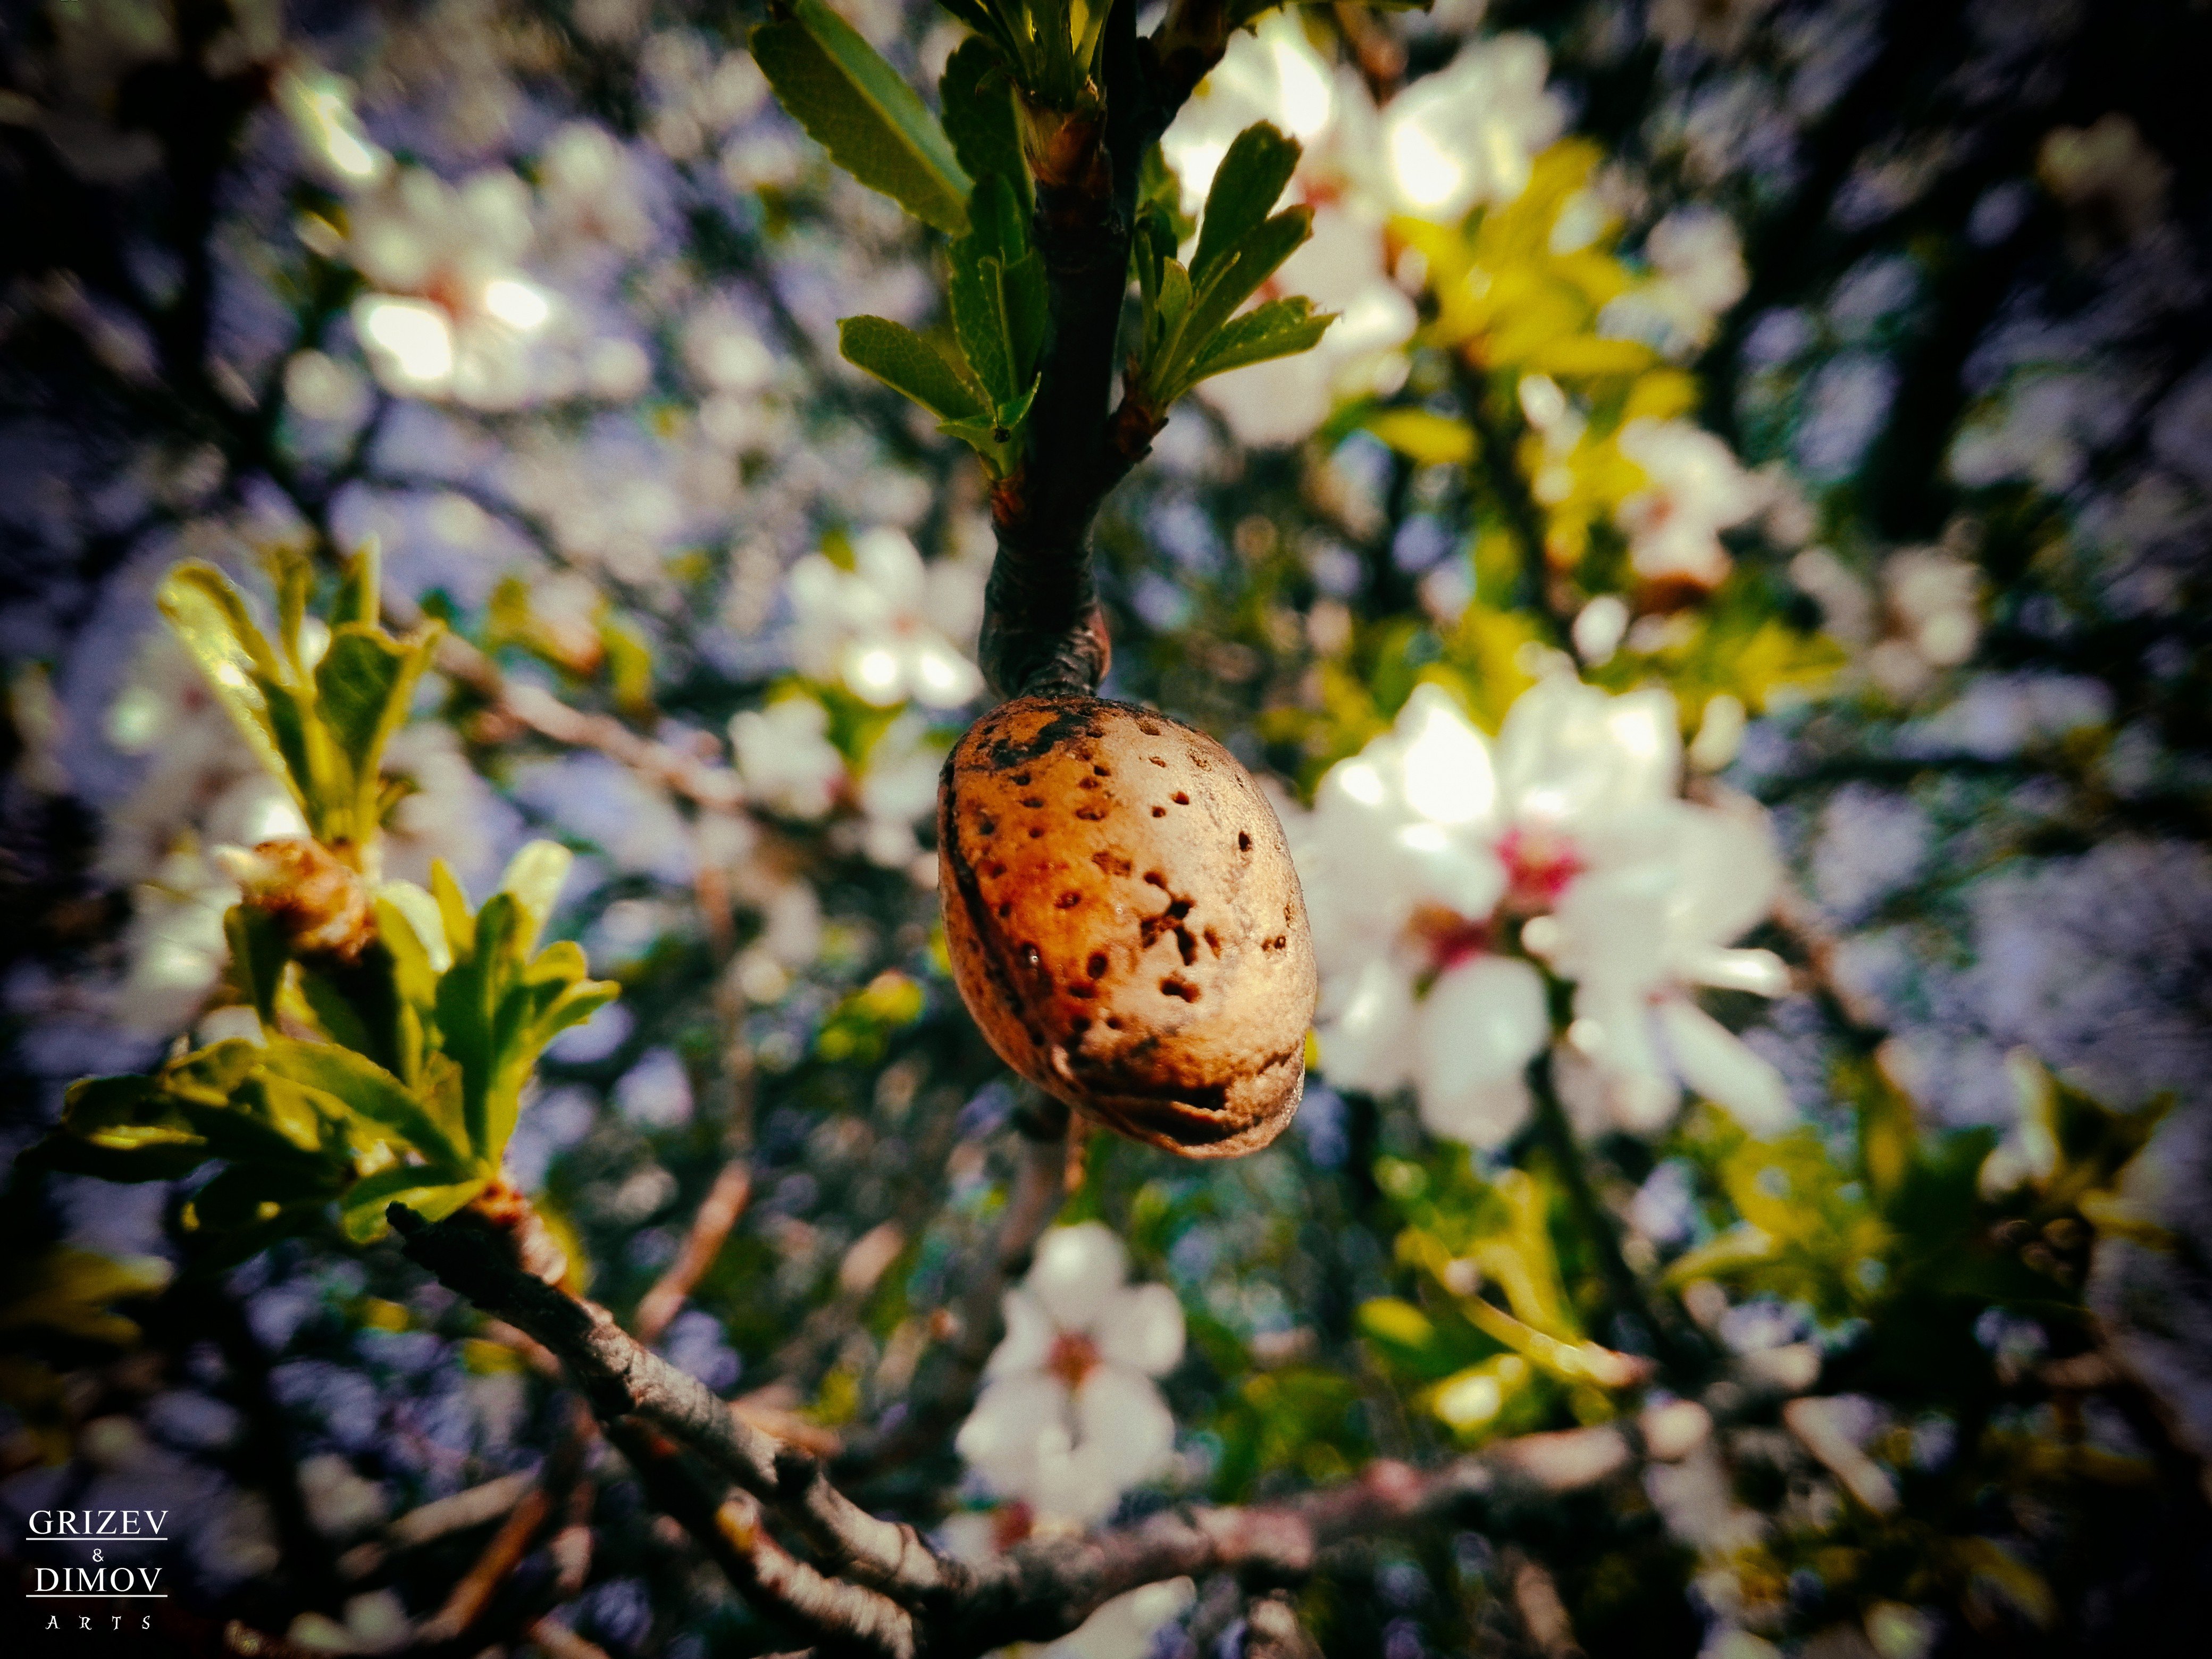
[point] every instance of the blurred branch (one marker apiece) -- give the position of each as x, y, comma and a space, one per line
1046, 1587
710, 785
854, 1619
710, 1229
1033, 1199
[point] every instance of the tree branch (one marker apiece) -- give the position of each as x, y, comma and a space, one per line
623, 1379
1043, 629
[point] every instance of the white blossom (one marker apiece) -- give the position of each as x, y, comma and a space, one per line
1422, 852
884, 628
1638, 933
1467, 135
786, 758
1696, 489
1070, 1418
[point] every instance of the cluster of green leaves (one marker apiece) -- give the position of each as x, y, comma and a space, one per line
1192, 328
444, 1024
1918, 1230
391, 1063
967, 176
320, 725
58, 1304
1052, 44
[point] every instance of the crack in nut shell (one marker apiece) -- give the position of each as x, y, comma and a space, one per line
1125, 922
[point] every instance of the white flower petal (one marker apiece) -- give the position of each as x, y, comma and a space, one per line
1124, 1429
1077, 1270
1482, 1023
1714, 1062
1018, 1425
1364, 1045
1143, 1329
1028, 1341
1446, 763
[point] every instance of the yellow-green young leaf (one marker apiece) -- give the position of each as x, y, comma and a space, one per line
455, 914
401, 928
856, 106
534, 876
67, 1289
208, 1076
1398, 1324
363, 1210
210, 618
258, 953
1260, 162
359, 583
907, 363
364, 684
128, 1114
369, 1092
294, 579
1431, 438
1280, 328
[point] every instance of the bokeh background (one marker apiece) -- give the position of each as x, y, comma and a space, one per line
1838, 368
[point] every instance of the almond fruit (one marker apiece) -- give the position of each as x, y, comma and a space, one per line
1125, 923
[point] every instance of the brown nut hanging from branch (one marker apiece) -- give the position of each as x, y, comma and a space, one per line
1125, 923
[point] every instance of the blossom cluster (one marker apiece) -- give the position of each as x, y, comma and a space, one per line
1448, 876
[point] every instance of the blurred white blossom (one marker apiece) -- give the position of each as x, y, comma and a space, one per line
1697, 274
1696, 489
1421, 853
1070, 1418
1467, 135
786, 758
884, 628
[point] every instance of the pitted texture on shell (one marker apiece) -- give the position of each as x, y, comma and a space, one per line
1125, 923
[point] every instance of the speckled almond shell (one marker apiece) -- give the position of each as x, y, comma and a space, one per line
1125, 922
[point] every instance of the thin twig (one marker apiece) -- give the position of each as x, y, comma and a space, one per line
1033, 1199
710, 785
717, 1214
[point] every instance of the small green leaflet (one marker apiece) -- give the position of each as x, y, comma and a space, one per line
976, 94
856, 106
1192, 326
907, 363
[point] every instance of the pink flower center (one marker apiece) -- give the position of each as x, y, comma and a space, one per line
1539, 863
1074, 1357
1448, 937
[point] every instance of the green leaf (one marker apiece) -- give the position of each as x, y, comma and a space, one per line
455, 914
1250, 177
999, 295
369, 1092
1236, 276
211, 619
365, 682
359, 582
976, 94
363, 1210
856, 106
294, 579
533, 877
468, 1006
258, 955
907, 363
1280, 328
